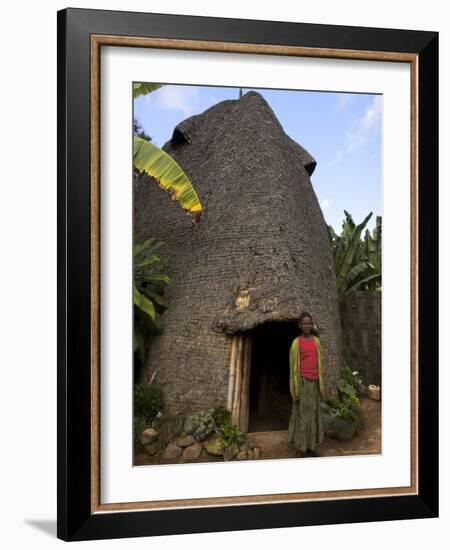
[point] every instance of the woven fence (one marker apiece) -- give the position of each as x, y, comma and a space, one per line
361, 331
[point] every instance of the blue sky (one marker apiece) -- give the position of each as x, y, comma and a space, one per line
342, 131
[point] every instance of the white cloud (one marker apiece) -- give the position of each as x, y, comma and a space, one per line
325, 204
365, 126
181, 98
343, 100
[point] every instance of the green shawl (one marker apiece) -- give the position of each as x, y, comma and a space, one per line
294, 360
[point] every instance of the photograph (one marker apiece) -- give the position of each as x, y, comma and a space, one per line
242, 321
257, 273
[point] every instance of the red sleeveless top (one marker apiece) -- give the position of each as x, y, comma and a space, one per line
308, 358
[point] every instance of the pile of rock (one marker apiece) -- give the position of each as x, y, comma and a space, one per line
149, 439
185, 447
247, 452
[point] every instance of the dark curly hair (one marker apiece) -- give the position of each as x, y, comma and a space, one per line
314, 330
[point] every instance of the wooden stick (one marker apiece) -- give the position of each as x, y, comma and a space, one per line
237, 387
240, 408
246, 385
232, 372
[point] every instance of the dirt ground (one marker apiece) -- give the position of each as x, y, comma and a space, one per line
274, 444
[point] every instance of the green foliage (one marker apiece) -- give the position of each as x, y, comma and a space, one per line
221, 416
168, 173
357, 261
343, 417
149, 159
149, 288
215, 421
148, 401
332, 402
139, 131
345, 388
139, 425
144, 88
231, 436
351, 377
200, 425
341, 428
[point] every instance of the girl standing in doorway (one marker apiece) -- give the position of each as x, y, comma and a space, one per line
306, 388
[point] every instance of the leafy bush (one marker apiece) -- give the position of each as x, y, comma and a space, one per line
148, 293
215, 421
343, 417
340, 428
351, 377
345, 388
231, 436
200, 425
333, 403
148, 401
221, 416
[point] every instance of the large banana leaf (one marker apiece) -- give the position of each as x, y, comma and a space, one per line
347, 260
149, 246
373, 245
147, 262
144, 304
144, 88
375, 277
359, 271
155, 277
158, 164
157, 298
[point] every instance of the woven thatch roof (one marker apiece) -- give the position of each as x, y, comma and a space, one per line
261, 250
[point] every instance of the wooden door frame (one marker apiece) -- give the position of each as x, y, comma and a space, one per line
239, 381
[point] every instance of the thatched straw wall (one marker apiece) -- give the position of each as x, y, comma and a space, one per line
260, 252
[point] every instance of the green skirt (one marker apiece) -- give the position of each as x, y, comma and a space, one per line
305, 425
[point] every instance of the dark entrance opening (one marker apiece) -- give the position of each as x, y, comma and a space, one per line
270, 401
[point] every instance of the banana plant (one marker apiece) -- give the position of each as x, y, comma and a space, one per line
373, 245
162, 167
144, 88
357, 261
148, 290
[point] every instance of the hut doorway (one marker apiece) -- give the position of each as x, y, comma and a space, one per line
259, 395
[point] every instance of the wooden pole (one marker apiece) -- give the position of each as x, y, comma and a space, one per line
234, 340
245, 400
241, 409
237, 387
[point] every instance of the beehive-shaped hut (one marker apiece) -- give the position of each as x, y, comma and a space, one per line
242, 276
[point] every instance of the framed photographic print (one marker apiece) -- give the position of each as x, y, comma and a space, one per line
247, 255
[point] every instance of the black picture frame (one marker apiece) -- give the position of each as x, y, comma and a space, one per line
76, 518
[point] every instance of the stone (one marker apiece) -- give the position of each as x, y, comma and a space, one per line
185, 441
172, 451
151, 448
230, 453
242, 455
192, 452
148, 436
214, 445
256, 452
